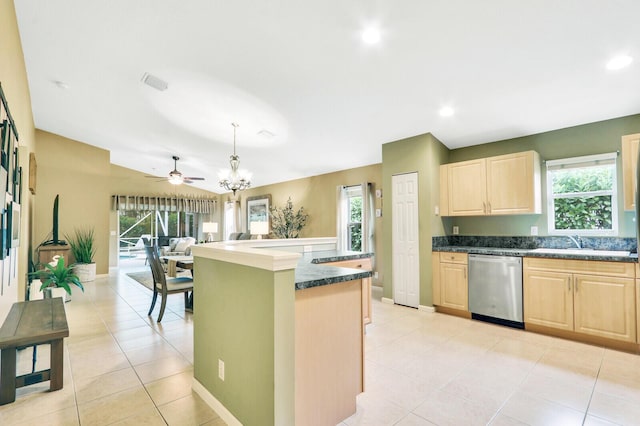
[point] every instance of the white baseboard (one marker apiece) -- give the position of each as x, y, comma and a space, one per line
425, 308
216, 405
387, 300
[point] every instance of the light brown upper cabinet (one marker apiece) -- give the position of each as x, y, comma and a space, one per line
629, 159
506, 184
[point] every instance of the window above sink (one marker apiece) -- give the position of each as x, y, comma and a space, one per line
582, 195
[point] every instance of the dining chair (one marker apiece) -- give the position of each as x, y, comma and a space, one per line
165, 286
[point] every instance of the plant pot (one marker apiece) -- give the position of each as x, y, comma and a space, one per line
86, 272
34, 290
51, 292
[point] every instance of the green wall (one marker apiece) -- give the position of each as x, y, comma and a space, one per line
588, 139
245, 316
422, 154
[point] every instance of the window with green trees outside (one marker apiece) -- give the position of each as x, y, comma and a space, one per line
582, 196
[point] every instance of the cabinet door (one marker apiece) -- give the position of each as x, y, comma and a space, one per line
467, 188
436, 283
629, 163
548, 299
605, 306
454, 290
637, 309
513, 184
364, 263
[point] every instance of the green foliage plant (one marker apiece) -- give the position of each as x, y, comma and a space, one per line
82, 245
285, 223
580, 211
57, 276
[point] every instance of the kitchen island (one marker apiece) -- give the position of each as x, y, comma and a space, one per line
278, 339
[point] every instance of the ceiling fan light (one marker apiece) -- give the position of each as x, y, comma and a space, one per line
175, 179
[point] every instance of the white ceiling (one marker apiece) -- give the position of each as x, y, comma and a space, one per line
301, 71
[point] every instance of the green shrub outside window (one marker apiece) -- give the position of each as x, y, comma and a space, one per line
582, 198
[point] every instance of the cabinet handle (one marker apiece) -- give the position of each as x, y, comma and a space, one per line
568, 283
575, 284
484, 207
465, 273
488, 207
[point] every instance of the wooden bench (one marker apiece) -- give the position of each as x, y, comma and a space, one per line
35, 322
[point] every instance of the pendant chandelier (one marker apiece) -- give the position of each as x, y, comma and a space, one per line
234, 179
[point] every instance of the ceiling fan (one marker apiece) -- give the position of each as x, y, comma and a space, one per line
175, 177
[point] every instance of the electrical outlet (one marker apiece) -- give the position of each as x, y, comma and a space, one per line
534, 230
378, 213
375, 275
437, 210
307, 249
221, 369
456, 230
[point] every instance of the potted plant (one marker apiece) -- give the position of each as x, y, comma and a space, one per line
57, 278
286, 223
83, 251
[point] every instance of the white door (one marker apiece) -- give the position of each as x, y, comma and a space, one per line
405, 246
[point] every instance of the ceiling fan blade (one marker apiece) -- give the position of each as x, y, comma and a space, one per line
193, 178
155, 177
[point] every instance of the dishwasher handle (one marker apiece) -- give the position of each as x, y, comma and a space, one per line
484, 258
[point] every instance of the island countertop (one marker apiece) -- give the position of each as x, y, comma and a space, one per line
309, 266
310, 271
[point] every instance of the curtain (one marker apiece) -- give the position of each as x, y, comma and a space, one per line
368, 218
342, 217
160, 203
231, 218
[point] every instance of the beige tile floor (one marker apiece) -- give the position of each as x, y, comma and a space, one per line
421, 369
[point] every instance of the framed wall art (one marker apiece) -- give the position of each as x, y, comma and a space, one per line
33, 172
13, 227
258, 210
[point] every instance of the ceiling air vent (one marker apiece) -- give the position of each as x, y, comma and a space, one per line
155, 82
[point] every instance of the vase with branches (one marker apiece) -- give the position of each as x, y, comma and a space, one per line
285, 223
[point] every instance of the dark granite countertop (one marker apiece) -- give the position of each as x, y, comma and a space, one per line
586, 255
311, 272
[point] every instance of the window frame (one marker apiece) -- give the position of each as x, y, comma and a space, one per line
580, 163
353, 192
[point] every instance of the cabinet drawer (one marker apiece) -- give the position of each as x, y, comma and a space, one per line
364, 263
450, 257
591, 267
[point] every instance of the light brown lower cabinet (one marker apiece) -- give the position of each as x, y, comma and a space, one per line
364, 263
450, 280
589, 297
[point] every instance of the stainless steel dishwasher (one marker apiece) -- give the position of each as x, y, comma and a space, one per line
495, 289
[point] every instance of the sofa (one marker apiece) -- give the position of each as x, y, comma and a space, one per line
178, 247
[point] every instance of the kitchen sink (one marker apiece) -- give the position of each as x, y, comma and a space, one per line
582, 252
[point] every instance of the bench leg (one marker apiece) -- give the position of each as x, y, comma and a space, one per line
57, 365
7, 375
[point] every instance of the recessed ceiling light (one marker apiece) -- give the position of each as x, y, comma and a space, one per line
619, 62
446, 111
371, 35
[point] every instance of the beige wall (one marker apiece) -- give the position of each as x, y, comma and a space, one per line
318, 196
80, 174
13, 77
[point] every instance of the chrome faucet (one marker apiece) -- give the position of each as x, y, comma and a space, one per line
576, 240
